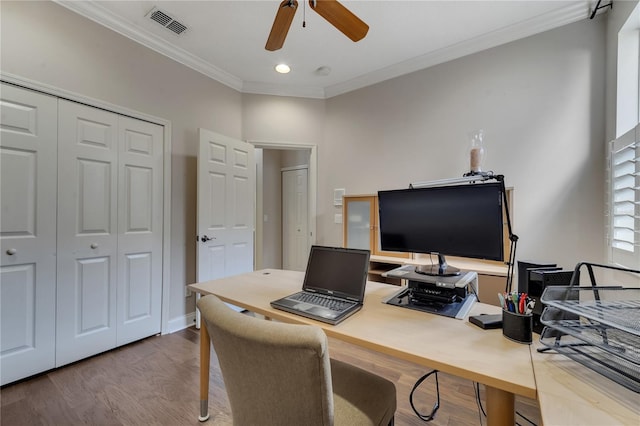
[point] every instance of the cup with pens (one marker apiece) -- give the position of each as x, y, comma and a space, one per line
516, 316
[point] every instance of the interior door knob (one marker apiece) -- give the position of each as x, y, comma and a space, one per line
11, 251
94, 246
204, 238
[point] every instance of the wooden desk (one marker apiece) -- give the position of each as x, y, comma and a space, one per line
571, 394
446, 344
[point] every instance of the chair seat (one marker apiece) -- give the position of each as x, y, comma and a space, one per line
361, 397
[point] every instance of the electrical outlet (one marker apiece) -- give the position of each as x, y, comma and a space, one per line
187, 292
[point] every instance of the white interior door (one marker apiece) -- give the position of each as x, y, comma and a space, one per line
140, 180
87, 231
226, 200
295, 228
28, 134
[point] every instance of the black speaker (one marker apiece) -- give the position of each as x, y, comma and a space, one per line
524, 266
539, 279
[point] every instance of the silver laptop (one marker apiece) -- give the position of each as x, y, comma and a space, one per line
333, 287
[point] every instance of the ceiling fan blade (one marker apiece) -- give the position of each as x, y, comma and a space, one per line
281, 24
341, 18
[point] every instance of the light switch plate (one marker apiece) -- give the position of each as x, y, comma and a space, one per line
337, 196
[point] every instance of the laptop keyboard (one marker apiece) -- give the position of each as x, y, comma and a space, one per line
324, 301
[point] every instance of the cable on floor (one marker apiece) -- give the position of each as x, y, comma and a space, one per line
432, 415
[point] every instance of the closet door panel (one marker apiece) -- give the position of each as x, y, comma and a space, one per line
28, 132
140, 196
87, 231
91, 294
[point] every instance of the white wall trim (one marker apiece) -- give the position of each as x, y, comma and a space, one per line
166, 237
180, 323
291, 168
567, 15
282, 90
93, 11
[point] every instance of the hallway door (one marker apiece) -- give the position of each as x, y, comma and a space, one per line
295, 227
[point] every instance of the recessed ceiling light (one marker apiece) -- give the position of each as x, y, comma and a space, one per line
283, 68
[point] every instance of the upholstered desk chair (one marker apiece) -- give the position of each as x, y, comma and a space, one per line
281, 374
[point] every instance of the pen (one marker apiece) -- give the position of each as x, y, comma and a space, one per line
501, 299
521, 304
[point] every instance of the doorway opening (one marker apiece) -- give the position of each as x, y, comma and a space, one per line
271, 160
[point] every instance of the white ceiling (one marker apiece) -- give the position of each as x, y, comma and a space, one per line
225, 39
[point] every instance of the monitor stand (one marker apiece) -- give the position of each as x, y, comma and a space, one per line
466, 284
440, 270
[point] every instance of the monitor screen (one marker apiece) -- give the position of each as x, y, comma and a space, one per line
458, 220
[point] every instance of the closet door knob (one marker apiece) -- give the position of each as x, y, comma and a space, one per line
94, 246
11, 251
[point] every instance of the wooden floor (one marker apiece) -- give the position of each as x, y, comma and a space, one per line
155, 382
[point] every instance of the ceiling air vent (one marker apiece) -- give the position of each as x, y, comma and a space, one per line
166, 20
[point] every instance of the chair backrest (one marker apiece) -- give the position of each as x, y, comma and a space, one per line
274, 373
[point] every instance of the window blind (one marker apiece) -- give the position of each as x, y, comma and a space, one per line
624, 240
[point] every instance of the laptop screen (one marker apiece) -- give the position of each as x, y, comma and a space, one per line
338, 271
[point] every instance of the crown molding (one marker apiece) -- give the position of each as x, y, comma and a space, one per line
566, 15
283, 90
104, 17
563, 16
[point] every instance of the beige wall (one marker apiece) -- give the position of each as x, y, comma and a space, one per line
280, 119
540, 101
45, 42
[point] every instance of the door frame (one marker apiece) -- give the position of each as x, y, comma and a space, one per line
313, 190
166, 208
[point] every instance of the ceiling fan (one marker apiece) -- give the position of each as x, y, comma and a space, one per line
331, 10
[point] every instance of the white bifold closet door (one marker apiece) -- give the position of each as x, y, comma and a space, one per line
28, 149
109, 269
140, 220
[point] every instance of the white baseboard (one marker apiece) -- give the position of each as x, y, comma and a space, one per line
181, 323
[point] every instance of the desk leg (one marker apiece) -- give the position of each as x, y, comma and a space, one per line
205, 357
500, 407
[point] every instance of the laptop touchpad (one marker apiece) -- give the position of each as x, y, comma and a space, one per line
326, 313
303, 306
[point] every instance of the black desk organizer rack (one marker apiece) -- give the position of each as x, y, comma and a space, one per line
597, 326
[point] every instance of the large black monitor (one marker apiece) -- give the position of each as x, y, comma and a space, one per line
458, 220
